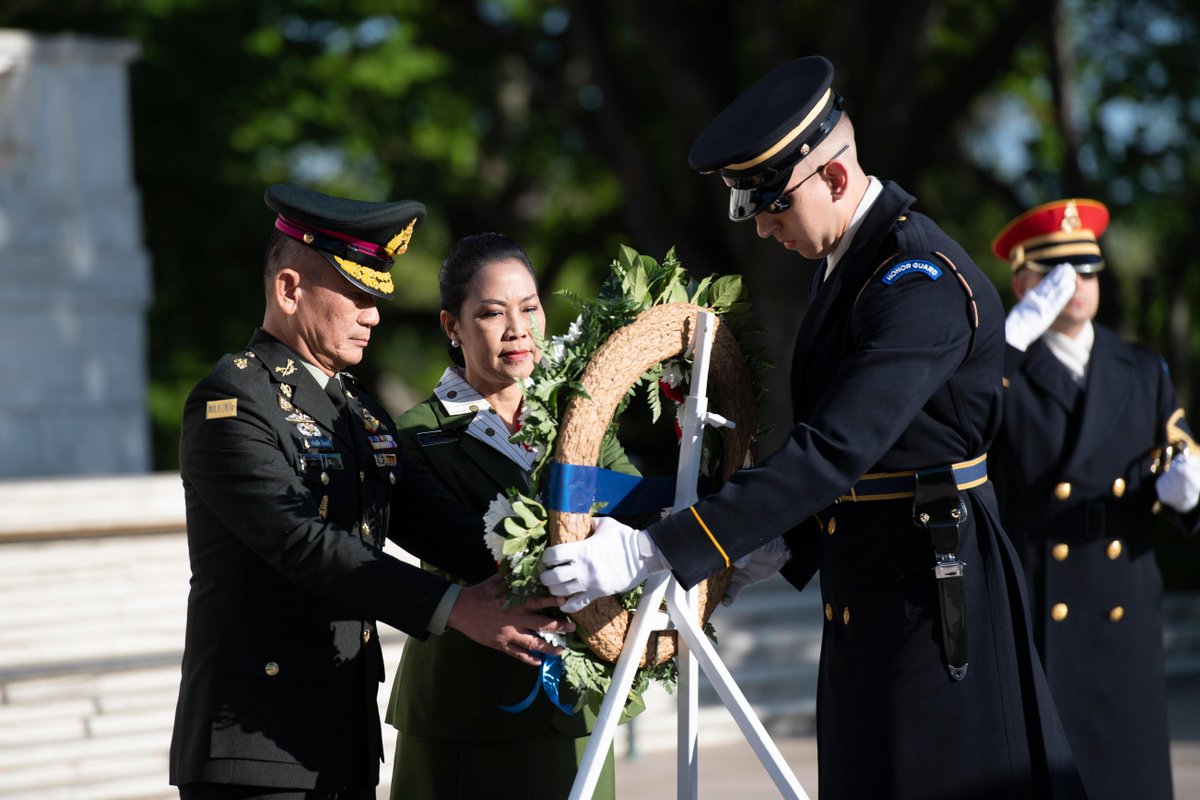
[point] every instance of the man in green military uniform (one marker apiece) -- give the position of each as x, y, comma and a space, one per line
293, 478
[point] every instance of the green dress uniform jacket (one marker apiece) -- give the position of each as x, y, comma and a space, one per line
1074, 475
897, 367
288, 504
449, 687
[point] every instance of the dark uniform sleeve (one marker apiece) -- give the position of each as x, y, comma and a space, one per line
239, 471
909, 338
429, 522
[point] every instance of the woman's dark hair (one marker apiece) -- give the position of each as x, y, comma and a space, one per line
467, 256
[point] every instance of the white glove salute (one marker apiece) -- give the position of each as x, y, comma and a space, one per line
756, 567
1179, 487
1040, 306
614, 559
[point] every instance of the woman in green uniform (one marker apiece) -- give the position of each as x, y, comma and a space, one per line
454, 739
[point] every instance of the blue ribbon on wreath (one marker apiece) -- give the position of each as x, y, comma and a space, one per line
548, 680
573, 488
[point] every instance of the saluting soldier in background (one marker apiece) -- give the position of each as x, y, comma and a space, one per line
1093, 443
293, 478
929, 685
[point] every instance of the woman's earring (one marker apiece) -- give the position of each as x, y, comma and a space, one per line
455, 343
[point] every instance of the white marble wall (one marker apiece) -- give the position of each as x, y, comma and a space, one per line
74, 274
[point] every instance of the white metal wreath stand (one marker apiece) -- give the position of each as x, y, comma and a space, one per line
693, 645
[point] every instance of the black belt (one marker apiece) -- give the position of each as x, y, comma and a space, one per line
938, 508
899, 485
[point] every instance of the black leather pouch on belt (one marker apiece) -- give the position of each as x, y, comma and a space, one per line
938, 508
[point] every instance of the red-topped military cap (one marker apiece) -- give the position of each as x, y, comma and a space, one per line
359, 238
756, 141
1064, 231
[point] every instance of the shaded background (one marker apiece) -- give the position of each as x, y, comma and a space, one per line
567, 126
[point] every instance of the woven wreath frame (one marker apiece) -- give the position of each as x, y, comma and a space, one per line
656, 335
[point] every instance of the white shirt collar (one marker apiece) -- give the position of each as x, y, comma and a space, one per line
1074, 354
459, 397
874, 188
315, 371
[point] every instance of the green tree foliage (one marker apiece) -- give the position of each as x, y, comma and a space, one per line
567, 125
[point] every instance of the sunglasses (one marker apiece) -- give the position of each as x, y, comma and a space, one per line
781, 203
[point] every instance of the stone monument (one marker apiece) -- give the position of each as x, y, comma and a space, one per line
74, 273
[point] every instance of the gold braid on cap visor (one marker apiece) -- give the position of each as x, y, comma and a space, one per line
381, 281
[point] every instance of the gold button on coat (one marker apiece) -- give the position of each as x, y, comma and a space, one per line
362, 476
366, 636
1118, 487
1116, 614
832, 526
324, 478
1062, 491
1058, 612
846, 615
392, 478
1060, 551
1114, 549
272, 669
829, 612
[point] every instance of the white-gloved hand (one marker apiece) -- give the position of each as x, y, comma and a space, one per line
1040, 306
1179, 487
614, 559
756, 567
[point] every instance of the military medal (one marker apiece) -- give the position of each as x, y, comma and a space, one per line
369, 421
308, 429
286, 389
298, 416
284, 404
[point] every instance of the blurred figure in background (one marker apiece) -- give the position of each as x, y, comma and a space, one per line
1093, 443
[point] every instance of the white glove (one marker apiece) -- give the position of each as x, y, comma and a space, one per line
1179, 487
1040, 306
756, 567
614, 559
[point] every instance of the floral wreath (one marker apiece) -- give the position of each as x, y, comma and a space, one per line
515, 524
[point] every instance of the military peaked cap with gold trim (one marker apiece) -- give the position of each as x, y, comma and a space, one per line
759, 137
359, 238
1061, 232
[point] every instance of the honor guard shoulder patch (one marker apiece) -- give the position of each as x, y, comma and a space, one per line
926, 268
219, 409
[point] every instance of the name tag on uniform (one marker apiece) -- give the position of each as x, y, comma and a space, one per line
385, 459
219, 409
318, 443
435, 438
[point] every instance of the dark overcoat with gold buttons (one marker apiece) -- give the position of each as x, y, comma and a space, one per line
288, 504
896, 368
1075, 468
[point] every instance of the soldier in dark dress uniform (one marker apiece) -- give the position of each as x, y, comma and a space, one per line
929, 685
1093, 444
293, 479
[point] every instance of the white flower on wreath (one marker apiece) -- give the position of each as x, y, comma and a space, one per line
554, 638
498, 510
672, 374
558, 344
